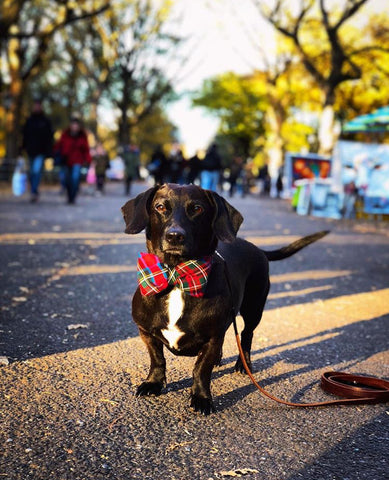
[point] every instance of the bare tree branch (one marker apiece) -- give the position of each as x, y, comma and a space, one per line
349, 11
293, 33
44, 38
69, 19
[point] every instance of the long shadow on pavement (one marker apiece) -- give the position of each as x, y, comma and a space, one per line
350, 344
362, 456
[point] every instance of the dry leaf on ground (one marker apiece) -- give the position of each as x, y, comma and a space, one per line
75, 326
238, 472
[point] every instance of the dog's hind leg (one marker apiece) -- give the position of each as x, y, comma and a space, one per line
156, 379
251, 310
219, 358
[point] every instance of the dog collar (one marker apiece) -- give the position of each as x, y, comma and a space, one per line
154, 277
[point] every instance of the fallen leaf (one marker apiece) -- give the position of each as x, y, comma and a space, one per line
107, 400
75, 326
4, 360
238, 473
173, 446
19, 299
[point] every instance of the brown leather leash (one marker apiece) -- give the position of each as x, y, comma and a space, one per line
355, 389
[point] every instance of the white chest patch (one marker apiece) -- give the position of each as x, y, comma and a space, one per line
175, 307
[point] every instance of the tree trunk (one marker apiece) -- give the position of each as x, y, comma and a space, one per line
12, 128
327, 131
13, 136
124, 124
124, 127
13, 116
13, 131
93, 121
275, 146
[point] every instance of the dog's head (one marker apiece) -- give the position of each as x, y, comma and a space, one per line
181, 222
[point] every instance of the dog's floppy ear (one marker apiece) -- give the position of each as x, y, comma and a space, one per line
136, 211
227, 219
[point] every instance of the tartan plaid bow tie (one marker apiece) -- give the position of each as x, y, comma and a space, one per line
191, 276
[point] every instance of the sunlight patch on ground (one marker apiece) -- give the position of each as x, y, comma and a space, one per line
294, 293
292, 326
116, 368
304, 319
82, 237
331, 239
97, 383
262, 241
309, 275
96, 270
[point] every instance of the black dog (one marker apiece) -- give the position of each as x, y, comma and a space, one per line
186, 223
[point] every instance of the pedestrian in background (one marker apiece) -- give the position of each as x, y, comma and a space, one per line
73, 148
101, 163
38, 144
130, 155
158, 166
176, 163
264, 179
194, 167
236, 176
279, 183
210, 169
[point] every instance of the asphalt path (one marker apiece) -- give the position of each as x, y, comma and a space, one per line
71, 357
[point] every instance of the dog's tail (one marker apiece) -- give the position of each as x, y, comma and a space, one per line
294, 247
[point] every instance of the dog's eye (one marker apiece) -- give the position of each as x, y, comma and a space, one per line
160, 207
197, 209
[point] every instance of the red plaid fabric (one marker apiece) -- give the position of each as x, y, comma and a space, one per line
191, 276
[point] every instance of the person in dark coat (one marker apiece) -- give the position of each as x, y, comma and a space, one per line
176, 163
194, 167
158, 166
236, 170
38, 144
101, 163
73, 147
131, 158
210, 169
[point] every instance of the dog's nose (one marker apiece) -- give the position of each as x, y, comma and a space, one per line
175, 236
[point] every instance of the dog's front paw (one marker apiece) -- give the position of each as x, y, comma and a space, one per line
149, 388
203, 405
239, 367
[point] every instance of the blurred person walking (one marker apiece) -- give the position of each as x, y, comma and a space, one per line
38, 144
73, 147
176, 163
279, 183
101, 163
130, 155
210, 169
158, 166
264, 179
236, 176
194, 167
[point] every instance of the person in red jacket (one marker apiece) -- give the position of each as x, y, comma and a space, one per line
73, 148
